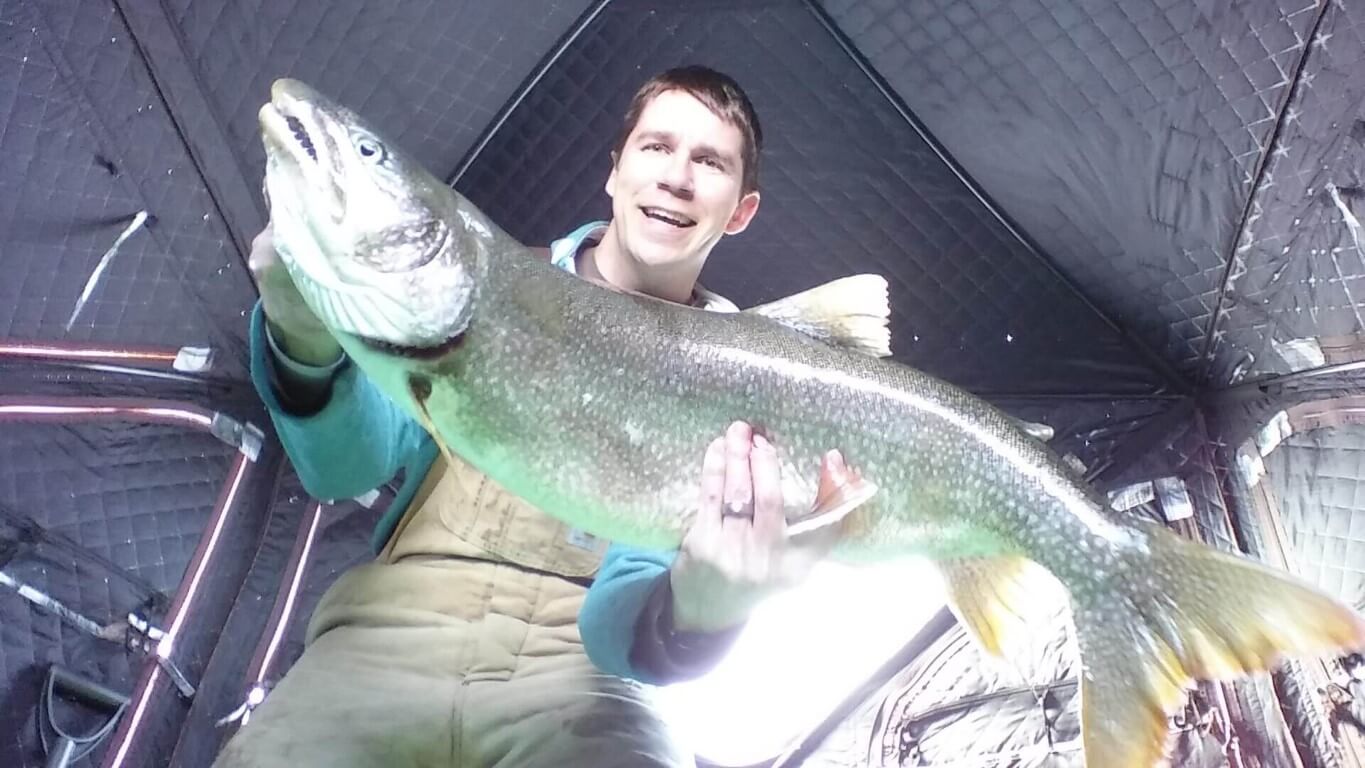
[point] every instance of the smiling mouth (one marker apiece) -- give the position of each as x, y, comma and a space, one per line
668, 217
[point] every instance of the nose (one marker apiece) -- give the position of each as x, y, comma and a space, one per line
677, 176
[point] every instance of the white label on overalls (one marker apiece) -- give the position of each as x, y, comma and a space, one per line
582, 539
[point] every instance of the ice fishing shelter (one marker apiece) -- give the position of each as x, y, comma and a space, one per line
1137, 222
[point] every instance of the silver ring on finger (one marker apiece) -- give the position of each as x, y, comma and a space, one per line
738, 509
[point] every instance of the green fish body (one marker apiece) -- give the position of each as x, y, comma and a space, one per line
597, 406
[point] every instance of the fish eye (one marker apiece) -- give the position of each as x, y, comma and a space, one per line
369, 148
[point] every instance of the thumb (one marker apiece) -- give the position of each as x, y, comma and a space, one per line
805, 550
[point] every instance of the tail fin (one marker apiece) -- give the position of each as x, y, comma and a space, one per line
1188, 612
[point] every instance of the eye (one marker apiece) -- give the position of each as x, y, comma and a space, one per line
654, 146
369, 148
713, 163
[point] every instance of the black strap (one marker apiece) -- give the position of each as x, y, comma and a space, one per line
26, 534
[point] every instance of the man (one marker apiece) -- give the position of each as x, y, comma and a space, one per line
479, 635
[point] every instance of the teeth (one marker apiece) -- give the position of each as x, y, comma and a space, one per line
296, 127
668, 216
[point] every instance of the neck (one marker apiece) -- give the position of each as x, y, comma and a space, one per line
609, 262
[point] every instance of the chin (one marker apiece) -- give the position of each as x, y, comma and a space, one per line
654, 255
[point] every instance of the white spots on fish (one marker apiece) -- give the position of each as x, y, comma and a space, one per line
587, 398
634, 433
1056, 487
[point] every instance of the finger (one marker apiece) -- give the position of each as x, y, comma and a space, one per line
805, 550
263, 255
739, 486
813, 545
811, 539
712, 487
803, 554
769, 516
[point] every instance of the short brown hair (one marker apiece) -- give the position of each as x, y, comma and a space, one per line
721, 94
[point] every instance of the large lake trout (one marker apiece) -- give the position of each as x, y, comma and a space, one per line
596, 406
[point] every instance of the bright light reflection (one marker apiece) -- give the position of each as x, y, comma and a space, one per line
801, 654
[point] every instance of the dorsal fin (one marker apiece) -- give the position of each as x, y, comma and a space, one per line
849, 312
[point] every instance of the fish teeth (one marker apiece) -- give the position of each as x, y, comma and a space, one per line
300, 133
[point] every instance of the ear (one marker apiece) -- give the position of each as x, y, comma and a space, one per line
744, 213
610, 186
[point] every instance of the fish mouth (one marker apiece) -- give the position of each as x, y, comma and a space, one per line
285, 123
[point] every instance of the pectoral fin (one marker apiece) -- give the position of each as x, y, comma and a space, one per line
842, 489
419, 387
850, 312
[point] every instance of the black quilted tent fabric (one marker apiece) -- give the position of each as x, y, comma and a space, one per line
1138, 222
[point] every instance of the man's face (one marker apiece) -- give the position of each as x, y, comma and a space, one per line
676, 187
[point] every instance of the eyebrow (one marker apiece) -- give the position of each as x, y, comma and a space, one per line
705, 149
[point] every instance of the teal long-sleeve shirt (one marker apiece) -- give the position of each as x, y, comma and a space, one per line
626, 617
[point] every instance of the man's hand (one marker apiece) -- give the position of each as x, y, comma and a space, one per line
738, 551
296, 329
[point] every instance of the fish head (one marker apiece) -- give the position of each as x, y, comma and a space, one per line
379, 248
